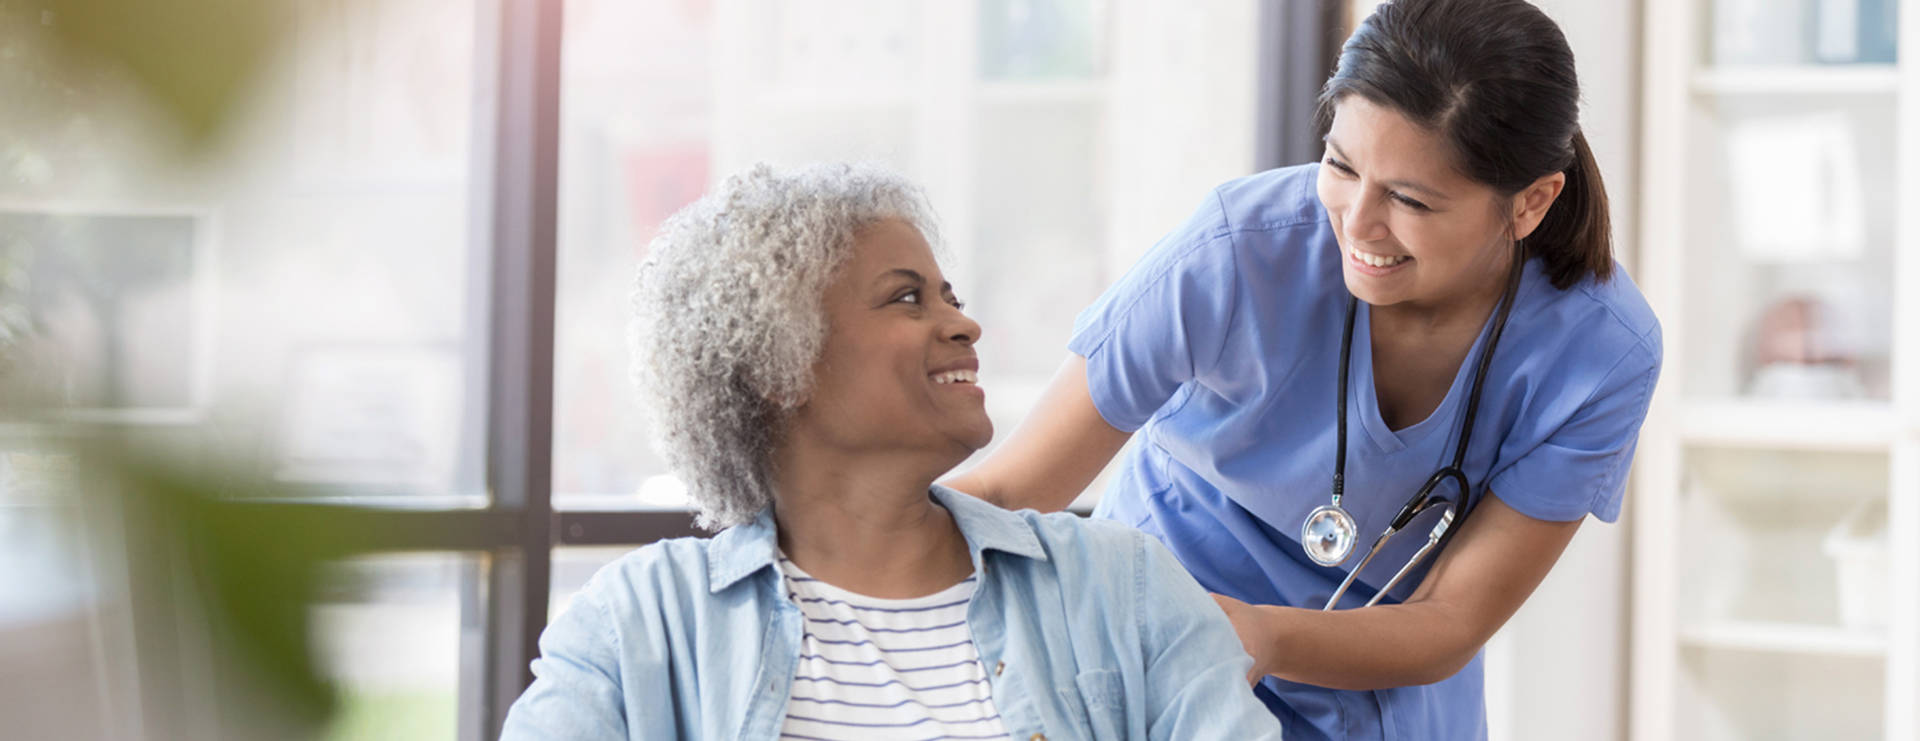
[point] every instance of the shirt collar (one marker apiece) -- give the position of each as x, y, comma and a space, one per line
741, 550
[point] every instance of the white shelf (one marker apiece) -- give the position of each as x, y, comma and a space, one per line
1846, 79
1694, 677
1765, 637
1795, 425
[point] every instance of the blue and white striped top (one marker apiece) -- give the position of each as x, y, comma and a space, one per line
1090, 630
886, 668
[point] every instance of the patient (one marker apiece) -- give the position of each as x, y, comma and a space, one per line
811, 374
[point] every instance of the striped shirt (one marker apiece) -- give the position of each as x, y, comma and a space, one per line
886, 668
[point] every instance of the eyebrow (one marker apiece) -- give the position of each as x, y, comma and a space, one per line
914, 277
1400, 184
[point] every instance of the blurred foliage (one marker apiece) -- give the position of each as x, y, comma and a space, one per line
67, 65
251, 563
395, 714
194, 59
254, 571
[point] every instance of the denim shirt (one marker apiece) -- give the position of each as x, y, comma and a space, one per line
1087, 629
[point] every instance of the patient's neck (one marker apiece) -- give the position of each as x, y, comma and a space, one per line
867, 526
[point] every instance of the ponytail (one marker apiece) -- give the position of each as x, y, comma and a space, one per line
1575, 238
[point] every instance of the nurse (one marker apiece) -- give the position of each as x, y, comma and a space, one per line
1455, 175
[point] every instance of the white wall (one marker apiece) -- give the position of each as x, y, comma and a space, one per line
1558, 670
1184, 77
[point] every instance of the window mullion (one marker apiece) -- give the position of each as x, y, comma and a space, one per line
515, 174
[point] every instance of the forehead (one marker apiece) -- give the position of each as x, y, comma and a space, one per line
1384, 142
891, 244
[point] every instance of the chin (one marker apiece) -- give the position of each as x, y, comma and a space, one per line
979, 438
976, 436
1369, 290
1358, 286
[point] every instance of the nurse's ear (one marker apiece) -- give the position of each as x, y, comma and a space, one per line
1531, 203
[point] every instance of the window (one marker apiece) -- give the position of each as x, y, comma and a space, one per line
1057, 140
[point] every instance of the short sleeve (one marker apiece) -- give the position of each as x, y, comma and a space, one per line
1581, 466
1164, 323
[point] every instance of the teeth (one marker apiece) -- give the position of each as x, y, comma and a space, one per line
959, 376
1379, 261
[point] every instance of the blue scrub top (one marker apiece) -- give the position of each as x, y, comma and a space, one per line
1222, 346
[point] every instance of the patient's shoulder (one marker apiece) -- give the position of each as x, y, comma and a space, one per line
656, 576
1095, 533
672, 559
1089, 550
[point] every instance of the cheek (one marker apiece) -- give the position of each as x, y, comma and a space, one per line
1331, 196
831, 380
1440, 243
878, 363
1418, 239
846, 365
1334, 199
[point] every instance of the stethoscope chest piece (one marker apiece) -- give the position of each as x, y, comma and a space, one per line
1329, 534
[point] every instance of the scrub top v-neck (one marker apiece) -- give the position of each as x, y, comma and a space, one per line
1364, 392
1221, 346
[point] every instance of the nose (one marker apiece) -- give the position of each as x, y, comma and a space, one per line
960, 328
1363, 220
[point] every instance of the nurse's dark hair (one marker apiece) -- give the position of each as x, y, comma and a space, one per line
1494, 78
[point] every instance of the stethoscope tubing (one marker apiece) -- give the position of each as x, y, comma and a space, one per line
1421, 501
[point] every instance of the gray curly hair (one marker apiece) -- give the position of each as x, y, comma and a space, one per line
728, 319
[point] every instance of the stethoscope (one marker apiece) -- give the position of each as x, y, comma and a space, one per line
1329, 532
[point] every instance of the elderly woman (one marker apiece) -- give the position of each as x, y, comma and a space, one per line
812, 374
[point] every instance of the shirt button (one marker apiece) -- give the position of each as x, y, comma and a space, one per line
1000, 668
1038, 737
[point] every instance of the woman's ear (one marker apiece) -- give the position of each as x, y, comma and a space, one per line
1530, 205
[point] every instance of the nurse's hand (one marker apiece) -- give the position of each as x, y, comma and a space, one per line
1255, 627
1497, 559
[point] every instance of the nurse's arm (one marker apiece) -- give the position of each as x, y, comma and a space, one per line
1055, 452
1479, 581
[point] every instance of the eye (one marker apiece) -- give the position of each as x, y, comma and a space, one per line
958, 305
1341, 166
1409, 202
911, 296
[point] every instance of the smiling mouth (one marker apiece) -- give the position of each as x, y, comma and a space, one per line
957, 376
1378, 261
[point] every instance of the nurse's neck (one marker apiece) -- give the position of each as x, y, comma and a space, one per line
1448, 316
1418, 352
